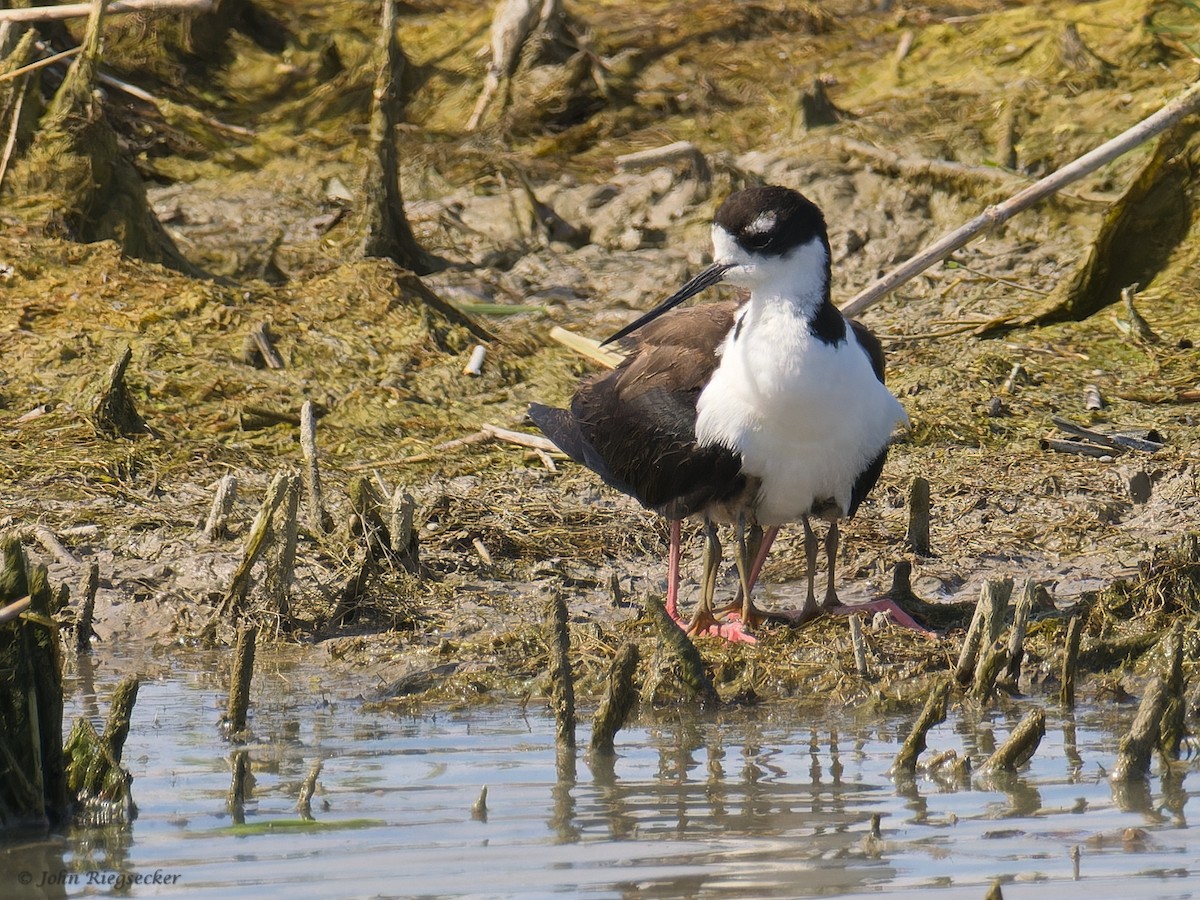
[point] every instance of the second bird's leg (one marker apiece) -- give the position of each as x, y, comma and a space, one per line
831, 547
673, 555
810, 607
703, 618
748, 547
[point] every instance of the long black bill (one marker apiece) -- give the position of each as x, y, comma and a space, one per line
710, 276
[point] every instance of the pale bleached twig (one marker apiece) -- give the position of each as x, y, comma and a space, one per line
82, 10
1183, 105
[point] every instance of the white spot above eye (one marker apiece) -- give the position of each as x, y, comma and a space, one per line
761, 225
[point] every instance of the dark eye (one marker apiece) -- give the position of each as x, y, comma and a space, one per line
756, 240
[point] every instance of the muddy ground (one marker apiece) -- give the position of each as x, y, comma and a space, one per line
1000, 90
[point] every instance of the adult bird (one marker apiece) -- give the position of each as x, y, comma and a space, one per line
757, 414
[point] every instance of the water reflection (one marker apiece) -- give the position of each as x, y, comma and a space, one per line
766, 802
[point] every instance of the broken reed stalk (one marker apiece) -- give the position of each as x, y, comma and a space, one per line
87, 609
239, 786
307, 789
990, 664
1070, 663
562, 684
113, 413
365, 502
918, 516
1171, 730
1136, 747
1020, 746
860, 647
256, 543
1016, 641
281, 567
405, 545
120, 711
985, 625
239, 683
216, 527
318, 519
619, 696
1182, 106
692, 671
933, 713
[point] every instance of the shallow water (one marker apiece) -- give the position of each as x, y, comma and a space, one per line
751, 803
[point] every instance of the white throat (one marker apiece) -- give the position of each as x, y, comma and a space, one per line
799, 277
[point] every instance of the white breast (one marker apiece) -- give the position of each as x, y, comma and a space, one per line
806, 417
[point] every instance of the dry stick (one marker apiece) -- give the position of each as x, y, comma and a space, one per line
1020, 746
260, 334
14, 610
1135, 749
1183, 105
1120, 442
988, 616
918, 516
619, 696
82, 10
1070, 661
36, 64
691, 663
405, 545
239, 685
536, 441
562, 686
49, 540
1016, 641
10, 143
933, 713
83, 625
307, 789
256, 543
318, 519
860, 647
216, 528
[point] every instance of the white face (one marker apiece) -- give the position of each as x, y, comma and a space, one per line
799, 272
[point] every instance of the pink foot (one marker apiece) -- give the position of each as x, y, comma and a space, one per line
731, 628
899, 616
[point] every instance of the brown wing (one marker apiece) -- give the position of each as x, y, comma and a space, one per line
636, 425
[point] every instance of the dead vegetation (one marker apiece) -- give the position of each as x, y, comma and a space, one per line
260, 199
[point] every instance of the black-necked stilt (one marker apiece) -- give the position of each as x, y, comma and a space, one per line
756, 414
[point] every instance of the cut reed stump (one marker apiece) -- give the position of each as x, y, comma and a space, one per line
692, 671
1172, 729
319, 519
33, 782
933, 713
1137, 747
619, 697
216, 527
1016, 641
87, 609
95, 776
985, 626
384, 230
257, 542
1020, 746
918, 516
1070, 662
74, 175
113, 413
562, 683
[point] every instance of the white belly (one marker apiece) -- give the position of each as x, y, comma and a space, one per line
806, 417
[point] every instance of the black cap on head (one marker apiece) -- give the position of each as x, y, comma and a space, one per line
771, 220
